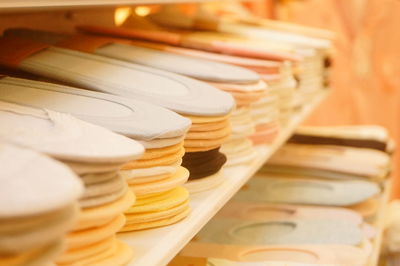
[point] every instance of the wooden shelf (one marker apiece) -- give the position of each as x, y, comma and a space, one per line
14, 5
158, 246
379, 224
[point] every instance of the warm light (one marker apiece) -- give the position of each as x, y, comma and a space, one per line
142, 11
121, 14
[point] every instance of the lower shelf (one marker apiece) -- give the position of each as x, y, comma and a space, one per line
380, 223
157, 247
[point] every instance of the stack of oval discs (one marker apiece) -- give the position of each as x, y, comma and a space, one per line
284, 86
160, 131
234, 242
38, 206
257, 48
310, 73
362, 136
206, 105
334, 159
239, 147
203, 157
155, 179
340, 154
95, 154
244, 85
309, 70
217, 40
278, 76
265, 111
265, 114
299, 189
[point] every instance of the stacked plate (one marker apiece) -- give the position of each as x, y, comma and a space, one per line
265, 114
284, 87
96, 155
211, 32
207, 107
229, 78
239, 148
327, 179
274, 234
38, 206
352, 156
159, 130
244, 85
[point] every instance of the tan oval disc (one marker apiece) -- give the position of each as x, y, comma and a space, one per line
161, 201
367, 208
150, 171
146, 179
209, 126
39, 256
198, 149
205, 183
158, 223
145, 217
110, 251
206, 119
94, 178
165, 160
72, 255
34, 223
253, 87
258, 94
77, 239
89, 168
207, 135
161, 152
204, 143
24, 239
97, 216
177, 179
245, 99
119, 254
103, 199
102, 188
149, 198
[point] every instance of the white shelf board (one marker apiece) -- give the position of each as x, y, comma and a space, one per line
379, 223
157, 247
16, 5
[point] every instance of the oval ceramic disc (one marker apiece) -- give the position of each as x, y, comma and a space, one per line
275, 255
185, 65
281, 232
100, 215
280, 189
257, 65
95, 72
28, 183
339, 159
63, 136
265, 211
135, 119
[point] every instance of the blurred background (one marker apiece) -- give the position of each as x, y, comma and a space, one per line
365, 78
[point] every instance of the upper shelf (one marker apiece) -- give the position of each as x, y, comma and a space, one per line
157, 247
15, 5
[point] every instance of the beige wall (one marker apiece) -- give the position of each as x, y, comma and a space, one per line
366, 73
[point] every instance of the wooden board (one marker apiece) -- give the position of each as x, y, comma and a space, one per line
157, 247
